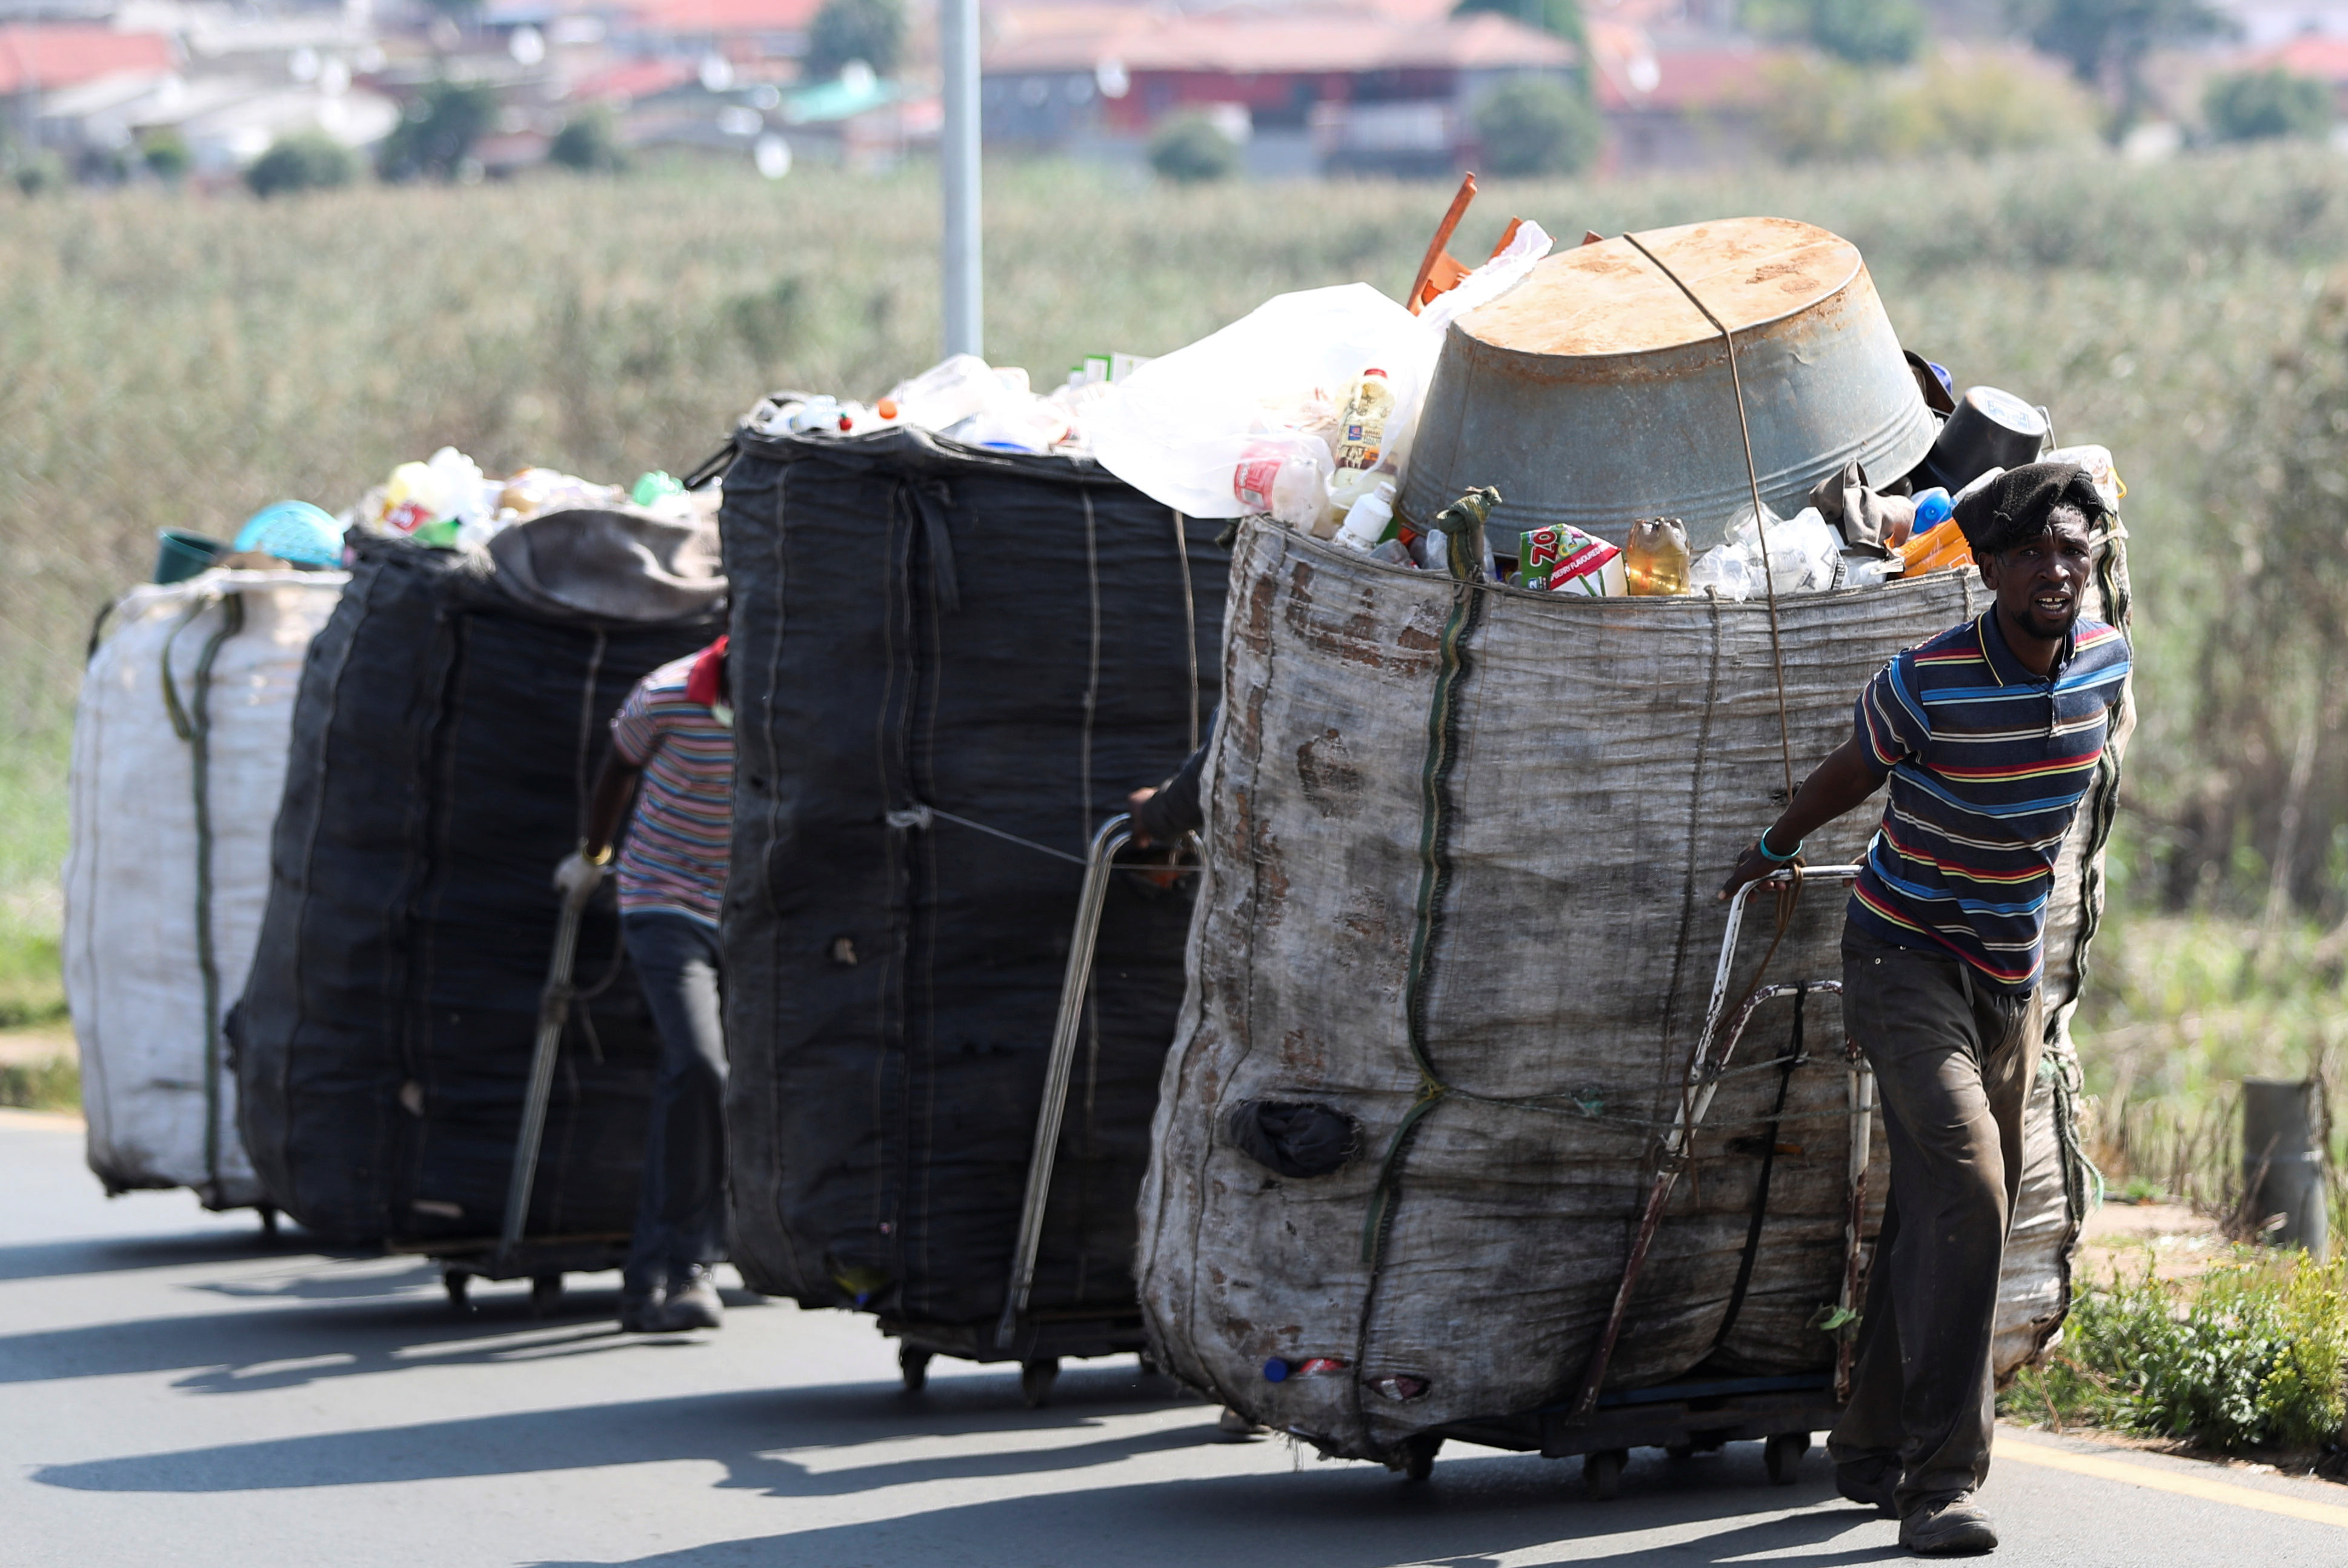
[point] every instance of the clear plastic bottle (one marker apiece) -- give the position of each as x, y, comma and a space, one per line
1361, 428
1655, 557
1287, 475
949, 392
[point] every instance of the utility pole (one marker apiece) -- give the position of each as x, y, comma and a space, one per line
958, 166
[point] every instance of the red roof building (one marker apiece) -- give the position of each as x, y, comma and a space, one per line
45, 58
1380, 85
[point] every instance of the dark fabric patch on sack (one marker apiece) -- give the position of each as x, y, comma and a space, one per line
1294, 1137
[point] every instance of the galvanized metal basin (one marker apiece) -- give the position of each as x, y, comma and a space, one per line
1594, 394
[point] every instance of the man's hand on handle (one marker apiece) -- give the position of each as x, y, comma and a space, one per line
1839, 783
577, 875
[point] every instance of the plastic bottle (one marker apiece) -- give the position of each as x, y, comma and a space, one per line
948, 392
1361, 428
1944, 546
1366, 523
1655, 557
1934, 508
1286, 475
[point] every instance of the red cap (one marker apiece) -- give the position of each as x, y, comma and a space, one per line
701, 682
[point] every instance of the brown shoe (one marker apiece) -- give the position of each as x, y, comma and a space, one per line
1948, 1527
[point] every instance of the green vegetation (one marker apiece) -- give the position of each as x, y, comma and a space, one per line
37, 172
307, 160
873, 31
2108, 42
2251, 1356
434, 138
2252, 106
32, 990
53, 1083
1827, 112
1191, 149
1534, 125
165, 154
588, 142
1863, 32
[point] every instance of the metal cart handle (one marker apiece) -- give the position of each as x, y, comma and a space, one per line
1695, 1100
1112, 836
554, 1012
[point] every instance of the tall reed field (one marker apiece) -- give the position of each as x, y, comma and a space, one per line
179, 360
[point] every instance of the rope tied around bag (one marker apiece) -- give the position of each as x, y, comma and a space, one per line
191, 722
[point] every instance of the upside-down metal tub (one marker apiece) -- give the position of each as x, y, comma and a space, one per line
1594, 393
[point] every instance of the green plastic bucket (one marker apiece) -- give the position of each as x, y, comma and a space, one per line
180, 554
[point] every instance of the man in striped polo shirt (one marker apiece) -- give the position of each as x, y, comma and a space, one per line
1990, 735
672, 755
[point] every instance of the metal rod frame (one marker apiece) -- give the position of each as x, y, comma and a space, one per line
1704, 1070
1074, 981
554, 1012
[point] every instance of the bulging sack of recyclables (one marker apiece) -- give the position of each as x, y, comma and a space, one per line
1543, 905
452, 714
178, 757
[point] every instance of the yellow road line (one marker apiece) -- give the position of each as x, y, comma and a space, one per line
2161, 1478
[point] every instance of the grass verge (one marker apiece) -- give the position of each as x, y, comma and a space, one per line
54, 1084
2250, 1358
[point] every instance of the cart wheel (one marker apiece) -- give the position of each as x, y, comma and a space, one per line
458, 1285
1680, 1450
268, 1224
1601, 1474
1418, 1456
545, 1295
1036, 1379
1782, 1456
914, 1365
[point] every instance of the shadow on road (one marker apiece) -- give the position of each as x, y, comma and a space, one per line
323, 1322
1474, 1512
111, 1254
744, 1432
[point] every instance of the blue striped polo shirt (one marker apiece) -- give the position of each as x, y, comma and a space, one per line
682, 834
1988, 763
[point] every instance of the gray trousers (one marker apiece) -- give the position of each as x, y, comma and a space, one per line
681, 1204
1955, 1061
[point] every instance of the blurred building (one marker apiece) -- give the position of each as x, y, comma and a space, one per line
1304, 90
1677, 96
2266, 23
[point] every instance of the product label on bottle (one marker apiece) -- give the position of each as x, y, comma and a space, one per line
408, 516
1562, 557
1258, 470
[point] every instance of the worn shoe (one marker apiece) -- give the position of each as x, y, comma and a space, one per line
1948, 1527
640, 1310
1871, 1483
694, 1306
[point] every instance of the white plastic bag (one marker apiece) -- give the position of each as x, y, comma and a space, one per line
1176, 428
1489, 281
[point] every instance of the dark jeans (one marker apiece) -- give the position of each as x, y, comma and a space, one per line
681, 1209
1953, 1061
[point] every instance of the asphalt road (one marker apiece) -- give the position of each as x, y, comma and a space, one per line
174, 1392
